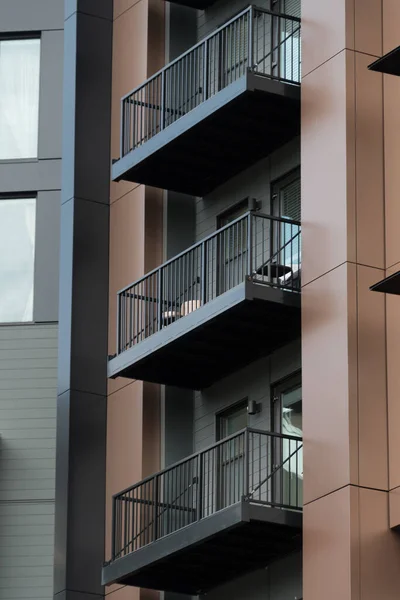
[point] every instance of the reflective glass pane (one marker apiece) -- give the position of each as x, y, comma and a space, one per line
17, 251
19, 98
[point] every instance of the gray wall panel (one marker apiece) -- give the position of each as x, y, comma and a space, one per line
255, 182
28, 384
216, 15
280, 581
100, 8
28, 381
31, 15
30, 176
50, 105
253, 382
47, 256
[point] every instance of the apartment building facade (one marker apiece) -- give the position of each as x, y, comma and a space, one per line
198, 314
226, 395
31, 67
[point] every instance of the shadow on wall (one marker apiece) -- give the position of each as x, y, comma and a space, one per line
282, 580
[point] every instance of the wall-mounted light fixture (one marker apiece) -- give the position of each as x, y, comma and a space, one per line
253, 407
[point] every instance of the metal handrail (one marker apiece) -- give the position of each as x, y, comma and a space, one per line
240, 468
210, 447
282, 220
208, 37
209, 66
258, 247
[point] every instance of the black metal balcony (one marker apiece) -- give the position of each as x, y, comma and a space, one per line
199, 4
223, 303
388, 64
389, 285
217, 515
226, 103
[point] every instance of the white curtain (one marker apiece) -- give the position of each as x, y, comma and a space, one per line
17, 250
19, 98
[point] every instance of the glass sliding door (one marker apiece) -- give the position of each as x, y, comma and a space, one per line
231, 455
288, 458
286, 242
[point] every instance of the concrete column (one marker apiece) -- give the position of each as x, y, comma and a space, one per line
349, 549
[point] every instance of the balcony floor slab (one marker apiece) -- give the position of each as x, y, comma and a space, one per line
238, 327
218, 139
232, 542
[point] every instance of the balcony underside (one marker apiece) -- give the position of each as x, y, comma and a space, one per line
389, 64
224, 135
389, 285
200, 4
235, 541
238, 327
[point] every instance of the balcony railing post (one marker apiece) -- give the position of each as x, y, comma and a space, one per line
162, 103
203, 274
160, 300
122, 128
205, 70
199, 496
118, 323
113, 528
155, 508
250, 63
246, 463
250, 244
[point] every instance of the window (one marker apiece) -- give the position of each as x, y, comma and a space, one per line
232, 420
286, 202
19, 98
287, 420
232, 247
17, 250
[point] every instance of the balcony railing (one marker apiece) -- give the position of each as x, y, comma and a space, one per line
261, 248
257, 40
255, 466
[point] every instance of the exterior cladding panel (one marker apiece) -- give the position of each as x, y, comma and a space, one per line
254, 183
222, 11
28, 353
28, 384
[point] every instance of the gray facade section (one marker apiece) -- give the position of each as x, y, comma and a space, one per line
28, 353
83, 308
280, 581
255, 182
220, 12
50, 105
254, 382
31, 15
28, 384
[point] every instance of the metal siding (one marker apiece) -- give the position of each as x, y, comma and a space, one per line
255, 182
51, 90
253, 382
280, 581
214, 16
30, 176
28, 381
29, 15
